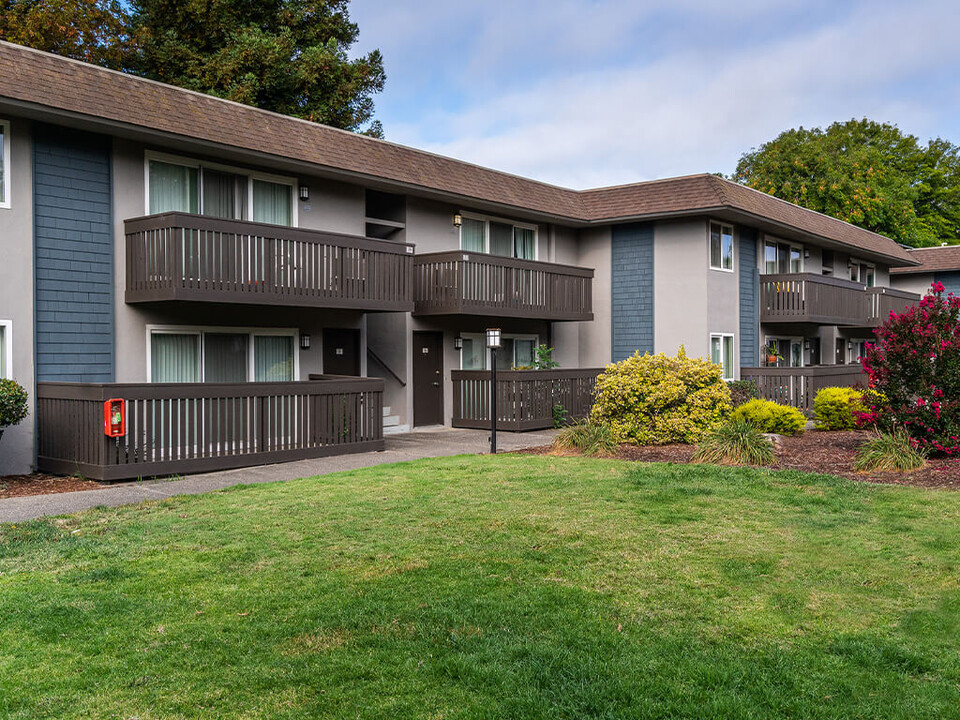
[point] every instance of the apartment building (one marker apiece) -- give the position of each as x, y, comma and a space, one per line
221, 269
935, 264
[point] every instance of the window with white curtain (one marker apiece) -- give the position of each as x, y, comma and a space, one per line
517, 351
222, 355
498, 237
4, 164
721, 353
6, 350
184, 186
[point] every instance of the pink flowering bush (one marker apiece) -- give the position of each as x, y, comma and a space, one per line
915, 368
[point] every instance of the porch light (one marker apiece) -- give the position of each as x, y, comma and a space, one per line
458, 343
493, 338
304, 341
493, 342
457, 220
305, 193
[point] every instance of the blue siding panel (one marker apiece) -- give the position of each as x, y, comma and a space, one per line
749, 299
632, 289
73, 256
950, 280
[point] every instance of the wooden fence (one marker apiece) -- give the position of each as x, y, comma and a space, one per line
175, 428
797, 386
525, 398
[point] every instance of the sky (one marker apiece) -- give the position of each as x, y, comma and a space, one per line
589, 93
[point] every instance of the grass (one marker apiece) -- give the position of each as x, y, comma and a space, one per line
591, 439
737, 442
889, 451
478, 587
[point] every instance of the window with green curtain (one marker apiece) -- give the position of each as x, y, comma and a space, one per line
174, 358
501, 239
474, 354
524, 246
523, 351
273, 358
173, 188
272, 203
3, 351
226, 357
728, 357
3, 163
472, 235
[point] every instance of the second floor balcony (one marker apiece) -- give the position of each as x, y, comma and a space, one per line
465, 283
819, 300
184, 257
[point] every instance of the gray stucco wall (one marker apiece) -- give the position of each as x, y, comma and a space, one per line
632, 290
16, 296
74, 256
596, 340
914, 282
681, 258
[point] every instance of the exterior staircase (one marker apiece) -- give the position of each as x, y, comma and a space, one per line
391, 423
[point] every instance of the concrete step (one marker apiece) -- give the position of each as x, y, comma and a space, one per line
395, 429
391, 420
386, 410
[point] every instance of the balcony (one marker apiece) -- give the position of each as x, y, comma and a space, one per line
881, 301
460, 283
184, 257
819, 300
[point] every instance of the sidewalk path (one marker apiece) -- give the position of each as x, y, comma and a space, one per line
437, 442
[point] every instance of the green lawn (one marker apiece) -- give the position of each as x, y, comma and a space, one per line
507, 587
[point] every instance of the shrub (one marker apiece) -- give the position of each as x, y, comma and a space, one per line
915, 363
13, 403
736, 443
587, 437
742, 391
770, 417
873, 411
658, 399
833, 408
890, 451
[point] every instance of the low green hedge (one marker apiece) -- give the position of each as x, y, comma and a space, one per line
770, 417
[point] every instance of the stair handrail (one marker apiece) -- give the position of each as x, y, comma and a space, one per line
386, 367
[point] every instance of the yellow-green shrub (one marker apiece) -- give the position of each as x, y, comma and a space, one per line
771, 417
659, 399
833, 408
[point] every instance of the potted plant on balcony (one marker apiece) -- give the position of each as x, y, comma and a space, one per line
772, 354
13, 404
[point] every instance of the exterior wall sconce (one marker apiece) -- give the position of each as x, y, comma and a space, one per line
457, 220
493, 342
304, 341
458, 343
305, 193
806, 253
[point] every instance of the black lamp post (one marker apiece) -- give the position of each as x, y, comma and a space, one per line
493, 342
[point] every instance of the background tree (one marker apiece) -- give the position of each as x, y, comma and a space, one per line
94, 31
867, 173
289, 56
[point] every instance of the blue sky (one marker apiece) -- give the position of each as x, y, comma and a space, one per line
586, 93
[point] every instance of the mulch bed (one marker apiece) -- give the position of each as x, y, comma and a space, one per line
815, 451
37, 484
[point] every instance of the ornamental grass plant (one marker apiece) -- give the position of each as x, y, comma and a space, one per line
738, 442
587, 438
890, 451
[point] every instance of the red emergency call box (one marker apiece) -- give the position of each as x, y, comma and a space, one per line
114, 418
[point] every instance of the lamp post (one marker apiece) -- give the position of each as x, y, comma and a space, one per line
493, 342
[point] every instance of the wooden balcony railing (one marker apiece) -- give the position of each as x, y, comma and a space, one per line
797, 386
462, 283
175, 428
525, 398
881, 301
179, 256
809, 298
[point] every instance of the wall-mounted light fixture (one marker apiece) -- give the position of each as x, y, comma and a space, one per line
458, 343
457, 220
304, 341
806, 253
305, 193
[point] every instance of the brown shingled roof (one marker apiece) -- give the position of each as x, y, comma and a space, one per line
52, 82
933, 259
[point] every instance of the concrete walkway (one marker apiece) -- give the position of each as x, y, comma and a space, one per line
439, 442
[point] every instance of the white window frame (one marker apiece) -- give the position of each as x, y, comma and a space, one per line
733, 352
792, 339
733, 246
251, 175
851, 351
201, 330
772, 240
486, 220
7, 170
859, 265
7, 326
505, 336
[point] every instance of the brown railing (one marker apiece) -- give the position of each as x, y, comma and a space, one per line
797, 386
179, 256
186, 428
525, 398
883, 300
463, 283
809, 298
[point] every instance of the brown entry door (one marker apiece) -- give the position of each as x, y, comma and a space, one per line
427, 378
341, 352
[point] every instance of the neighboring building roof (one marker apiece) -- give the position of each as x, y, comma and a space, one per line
932, 259
52, 82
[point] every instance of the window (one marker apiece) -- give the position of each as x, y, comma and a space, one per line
6, 350
498, 237
862, 272
721, 353
781, 258
858, 350
4, 164
827, 268
517, 351
721, 246
179, 185
222, 355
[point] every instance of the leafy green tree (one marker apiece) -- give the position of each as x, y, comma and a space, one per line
289, 56
867, 173
94, 31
